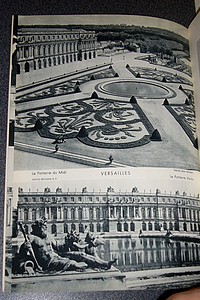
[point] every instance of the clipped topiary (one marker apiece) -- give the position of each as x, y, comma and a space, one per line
82, 132
92, 77
187, 102
78, 82
127, 66
166, 102
38, 125
138, 75
116, 75
164, 79
180, 87
94, 95
133, 100
77, 89
156, 137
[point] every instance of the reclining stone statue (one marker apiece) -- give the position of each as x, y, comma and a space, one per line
46, 255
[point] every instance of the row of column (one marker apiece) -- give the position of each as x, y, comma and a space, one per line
165, 255
60, 213
53, 49
113, 212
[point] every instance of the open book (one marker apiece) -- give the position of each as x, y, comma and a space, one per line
103, 163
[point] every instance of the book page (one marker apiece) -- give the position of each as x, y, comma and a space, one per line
194, 37
106, 168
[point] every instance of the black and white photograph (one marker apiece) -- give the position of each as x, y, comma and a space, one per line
102, 174
98, 91
117, 229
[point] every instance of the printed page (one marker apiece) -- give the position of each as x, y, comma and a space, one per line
106, 168
194, 37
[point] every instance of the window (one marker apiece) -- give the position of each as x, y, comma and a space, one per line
65, 228
34, 215
53, 229
80, 214
97, 213
149, 213
164, 212
124, 211
73, 214
65, 214
26, 215
91, 213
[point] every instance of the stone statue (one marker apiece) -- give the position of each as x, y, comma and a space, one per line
42, 253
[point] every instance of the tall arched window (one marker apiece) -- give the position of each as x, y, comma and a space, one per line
98, 213
25, 214
39, 64
73, 213
150, 227
65, 214
80, 214
65, 228
91, 227
49, 60
81, 228
73, 226
132, 226
91, 216
53, 228
125, 226
45, 63
119, 226
98, 227
27, 67
144, 226
33, 214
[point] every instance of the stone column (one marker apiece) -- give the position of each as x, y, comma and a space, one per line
114, 211
29, 214
61, 213
37, 213
76, 213
109, 212
128, 212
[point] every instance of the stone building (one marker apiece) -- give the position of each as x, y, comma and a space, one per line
42, 47
109, 211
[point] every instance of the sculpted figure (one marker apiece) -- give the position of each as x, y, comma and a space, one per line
84, 251
47, 255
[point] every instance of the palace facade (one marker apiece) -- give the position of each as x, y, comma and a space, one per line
109, 211
43, 47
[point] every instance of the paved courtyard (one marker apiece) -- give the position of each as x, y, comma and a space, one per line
88, 111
